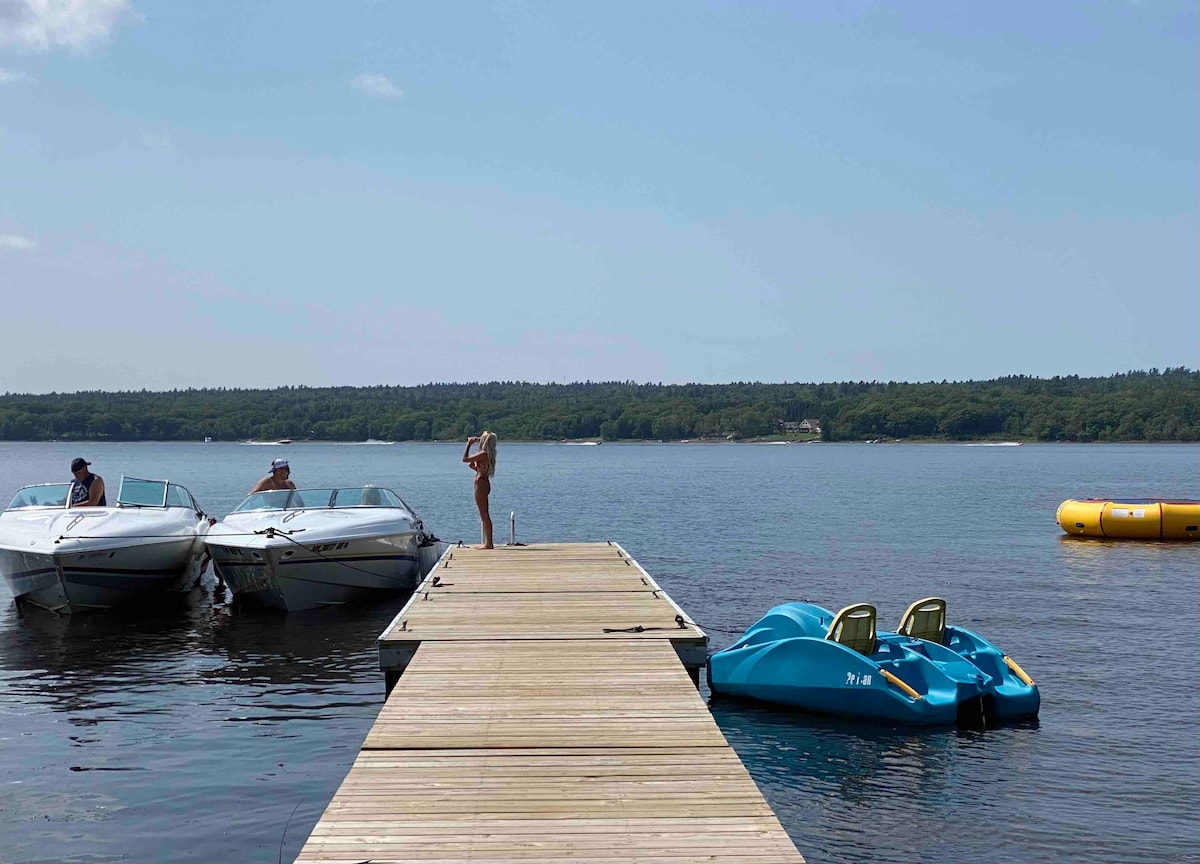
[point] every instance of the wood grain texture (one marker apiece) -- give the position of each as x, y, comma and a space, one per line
520, 731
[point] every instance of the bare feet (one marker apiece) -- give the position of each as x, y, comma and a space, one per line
489, 546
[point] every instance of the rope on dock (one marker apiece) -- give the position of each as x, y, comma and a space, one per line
681, 623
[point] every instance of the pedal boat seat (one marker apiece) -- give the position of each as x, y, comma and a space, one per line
854, 627
925, 619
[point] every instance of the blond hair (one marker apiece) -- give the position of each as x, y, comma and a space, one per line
487, 444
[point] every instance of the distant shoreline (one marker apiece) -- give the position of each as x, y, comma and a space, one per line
1133, 407
1006, 442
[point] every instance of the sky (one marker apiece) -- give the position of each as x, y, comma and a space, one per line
231, 194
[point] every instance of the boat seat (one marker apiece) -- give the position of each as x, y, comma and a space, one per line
925, 619
854, 627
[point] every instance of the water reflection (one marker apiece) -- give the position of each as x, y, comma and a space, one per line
784, 745
87, 665
1094, 551
184, 717
32, 637
824, 775
92, 667
300, 649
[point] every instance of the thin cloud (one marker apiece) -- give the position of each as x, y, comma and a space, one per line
16, 241
378, 86
40, 25
7, 76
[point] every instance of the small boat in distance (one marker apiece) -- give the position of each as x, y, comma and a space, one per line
93, 558
284, 441
308, 548
926, 673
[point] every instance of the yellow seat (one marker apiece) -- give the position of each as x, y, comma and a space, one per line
854, 627
925, 619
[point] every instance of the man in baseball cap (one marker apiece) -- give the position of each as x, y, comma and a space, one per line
279, 478
87, 489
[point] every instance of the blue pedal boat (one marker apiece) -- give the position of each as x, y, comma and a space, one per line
926, 673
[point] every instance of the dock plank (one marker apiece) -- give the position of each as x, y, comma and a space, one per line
514, 705
521, 731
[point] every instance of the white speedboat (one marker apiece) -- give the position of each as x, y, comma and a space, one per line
308, 548
92, 558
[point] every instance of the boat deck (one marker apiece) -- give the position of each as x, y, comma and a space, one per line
545, 713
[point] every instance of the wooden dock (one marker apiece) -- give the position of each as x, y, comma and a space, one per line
547, 711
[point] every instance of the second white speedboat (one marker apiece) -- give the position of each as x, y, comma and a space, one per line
93, 558
309, 548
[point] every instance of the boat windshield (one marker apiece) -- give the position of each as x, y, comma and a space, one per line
153, 493
45, 495
367, 496
314, 499
287, 499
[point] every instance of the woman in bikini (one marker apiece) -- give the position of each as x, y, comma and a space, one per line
483, 463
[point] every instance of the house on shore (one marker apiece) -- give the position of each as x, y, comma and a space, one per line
811, 427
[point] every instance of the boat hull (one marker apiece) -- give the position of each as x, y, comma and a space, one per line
294, 577
95, 558
786, 659
346, 545
1131, 519
97, 580
1009, 696
827, 678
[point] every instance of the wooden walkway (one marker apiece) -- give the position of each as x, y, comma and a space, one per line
522, 731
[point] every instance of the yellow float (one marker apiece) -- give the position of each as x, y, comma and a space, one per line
1131, 518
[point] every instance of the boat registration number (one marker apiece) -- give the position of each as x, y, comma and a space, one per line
328, 547
855, 678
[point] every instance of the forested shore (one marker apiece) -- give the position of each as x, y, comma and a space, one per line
1133, 406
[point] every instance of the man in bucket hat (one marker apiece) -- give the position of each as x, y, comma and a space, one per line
277, 479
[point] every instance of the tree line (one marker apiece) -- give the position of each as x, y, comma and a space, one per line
1133, 406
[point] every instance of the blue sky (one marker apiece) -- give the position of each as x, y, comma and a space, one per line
272, 193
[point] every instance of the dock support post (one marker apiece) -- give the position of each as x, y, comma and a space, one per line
394, 660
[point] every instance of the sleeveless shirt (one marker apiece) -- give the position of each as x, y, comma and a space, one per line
81, 490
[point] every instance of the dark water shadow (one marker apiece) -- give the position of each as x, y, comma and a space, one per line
79, 663
824, 775
335, 644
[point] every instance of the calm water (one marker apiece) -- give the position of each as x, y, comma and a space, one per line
203, 733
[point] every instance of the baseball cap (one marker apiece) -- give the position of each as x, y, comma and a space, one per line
276, 464
78, 464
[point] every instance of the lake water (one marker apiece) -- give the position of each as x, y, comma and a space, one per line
213, 733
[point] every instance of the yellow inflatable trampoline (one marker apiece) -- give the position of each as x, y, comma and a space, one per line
1131, 518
